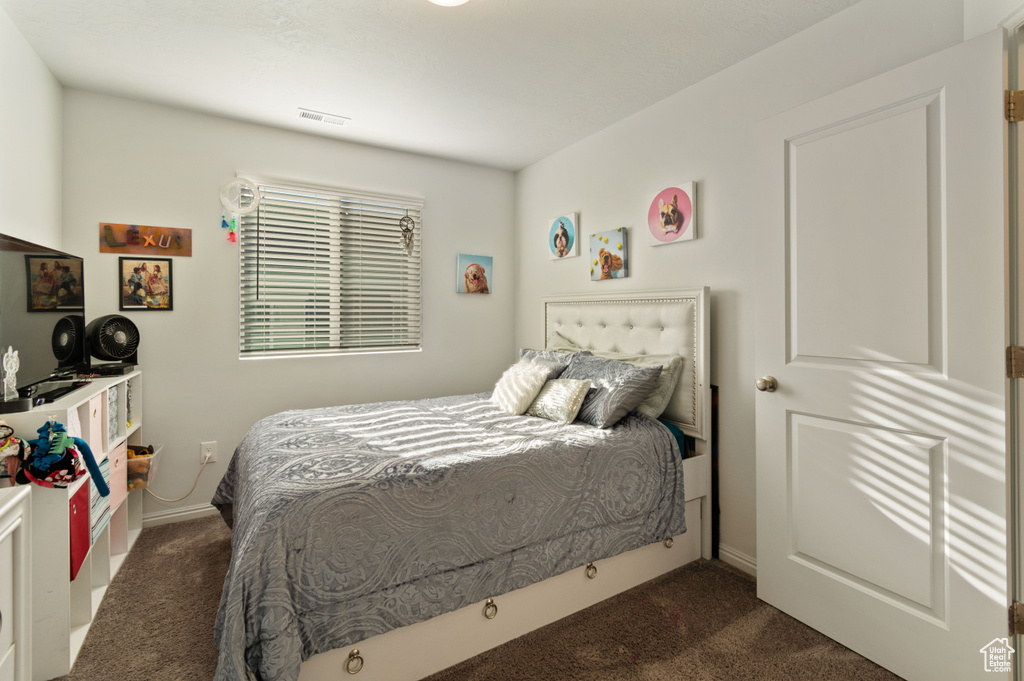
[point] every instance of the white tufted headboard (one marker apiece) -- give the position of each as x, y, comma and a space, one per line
662, 322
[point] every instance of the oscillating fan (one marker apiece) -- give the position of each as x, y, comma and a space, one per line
68, 341
116, 338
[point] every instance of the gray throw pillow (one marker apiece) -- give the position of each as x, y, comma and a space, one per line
671, 370
618, 387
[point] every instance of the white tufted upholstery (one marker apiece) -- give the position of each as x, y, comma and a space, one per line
673, 322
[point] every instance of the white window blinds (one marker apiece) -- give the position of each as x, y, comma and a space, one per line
327, 271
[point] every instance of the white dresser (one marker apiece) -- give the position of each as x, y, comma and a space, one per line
15, 585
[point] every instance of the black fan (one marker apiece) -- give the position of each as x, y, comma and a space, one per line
113, 337
68, 341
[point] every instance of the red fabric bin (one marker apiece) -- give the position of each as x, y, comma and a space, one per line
78, 513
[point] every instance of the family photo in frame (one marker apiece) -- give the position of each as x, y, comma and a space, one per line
53, 284
146, 284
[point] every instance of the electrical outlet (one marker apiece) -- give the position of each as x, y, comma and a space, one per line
207, 449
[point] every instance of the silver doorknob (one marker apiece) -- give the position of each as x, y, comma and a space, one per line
767, 384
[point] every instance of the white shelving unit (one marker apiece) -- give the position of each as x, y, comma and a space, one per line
63, 607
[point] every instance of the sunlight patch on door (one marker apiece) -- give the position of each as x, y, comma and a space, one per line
867, 506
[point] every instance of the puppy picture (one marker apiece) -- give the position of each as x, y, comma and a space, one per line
473, 272
562, 241
608, 263
609, 255
476, 279
672, 215
671, 218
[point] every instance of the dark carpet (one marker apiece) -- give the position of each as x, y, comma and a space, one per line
700, 622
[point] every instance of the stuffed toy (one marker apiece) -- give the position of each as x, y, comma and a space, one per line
140, 459
12, 451
55, 460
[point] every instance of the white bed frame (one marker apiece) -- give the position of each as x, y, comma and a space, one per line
663, 322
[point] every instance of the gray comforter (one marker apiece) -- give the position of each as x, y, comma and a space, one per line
352, 521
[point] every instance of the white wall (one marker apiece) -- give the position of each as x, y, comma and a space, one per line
705, 134
30, 144
981, 16
129, 162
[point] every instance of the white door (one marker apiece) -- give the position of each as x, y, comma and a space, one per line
881, 474
1015, 139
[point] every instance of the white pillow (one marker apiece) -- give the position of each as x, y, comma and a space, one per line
519, 385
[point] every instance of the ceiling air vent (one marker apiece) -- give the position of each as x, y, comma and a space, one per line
320, 117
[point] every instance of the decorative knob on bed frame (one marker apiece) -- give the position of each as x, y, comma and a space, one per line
355, 662
490, 609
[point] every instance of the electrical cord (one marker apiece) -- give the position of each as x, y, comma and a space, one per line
205, 461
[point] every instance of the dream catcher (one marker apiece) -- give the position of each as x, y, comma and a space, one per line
239, 196
408, 227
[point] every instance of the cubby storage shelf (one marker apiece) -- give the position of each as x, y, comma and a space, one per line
63, 608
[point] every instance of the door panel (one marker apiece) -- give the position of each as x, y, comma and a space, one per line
878, 166
881, 456
892, 483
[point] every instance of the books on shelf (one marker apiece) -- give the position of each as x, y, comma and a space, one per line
99, 506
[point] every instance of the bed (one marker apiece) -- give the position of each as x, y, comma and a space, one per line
360, 532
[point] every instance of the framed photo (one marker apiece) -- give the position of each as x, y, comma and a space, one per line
672, 215
609, 253
54, 284
563, 241
145, 284
473, 272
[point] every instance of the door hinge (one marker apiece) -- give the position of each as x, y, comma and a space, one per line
1014, 105
1016, 618
1015, 361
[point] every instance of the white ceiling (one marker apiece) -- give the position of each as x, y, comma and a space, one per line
503, 83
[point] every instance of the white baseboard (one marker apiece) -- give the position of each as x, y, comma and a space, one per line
177, 515
737, 559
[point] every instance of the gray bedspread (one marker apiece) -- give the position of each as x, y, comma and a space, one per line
352, 521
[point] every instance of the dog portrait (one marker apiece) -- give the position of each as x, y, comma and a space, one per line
609, 264
671, 218
473, 273
609, 255
476, 279
672, 215
562, 241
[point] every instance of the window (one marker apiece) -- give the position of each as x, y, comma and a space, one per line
328, 271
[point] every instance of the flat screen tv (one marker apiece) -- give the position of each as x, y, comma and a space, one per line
39, 287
